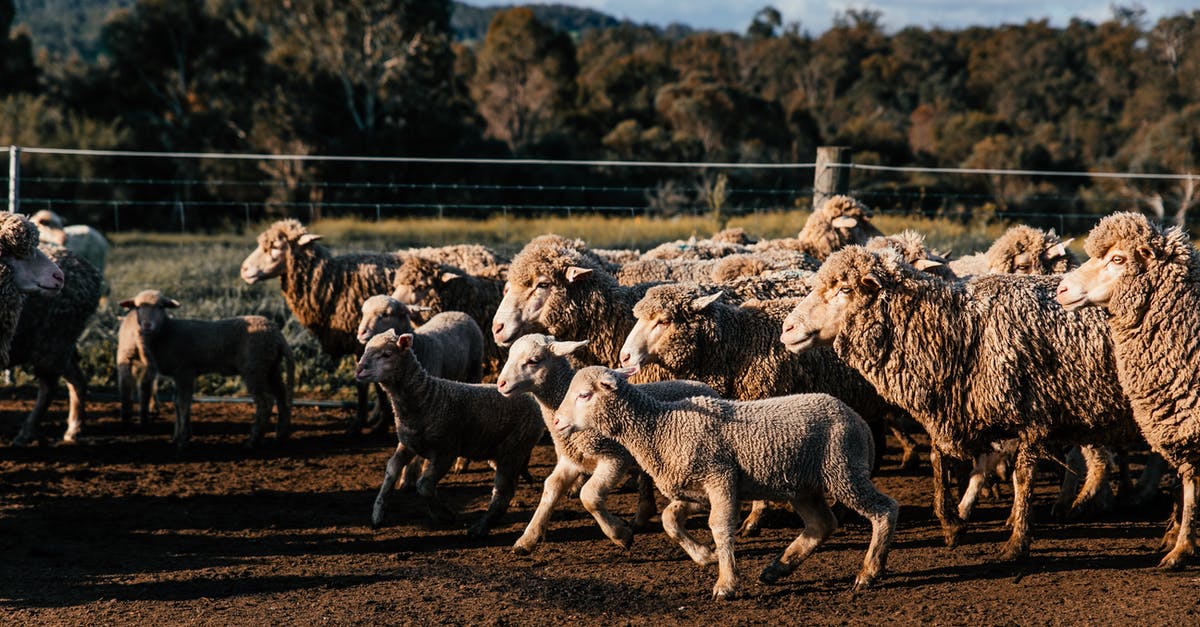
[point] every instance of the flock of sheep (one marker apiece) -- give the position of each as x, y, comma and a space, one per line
720, 371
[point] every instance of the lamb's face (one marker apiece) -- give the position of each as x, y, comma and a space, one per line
34, 272
382, 356
664, 330
530, 361
1094, 282
150, 307
381, 313
583, 399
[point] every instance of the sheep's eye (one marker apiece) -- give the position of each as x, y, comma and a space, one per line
542, 285
583, 396
662, 322
532, 361
1117, 259
844, 290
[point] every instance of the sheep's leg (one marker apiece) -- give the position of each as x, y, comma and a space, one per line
1069, 488
147, 394
410, 474
752, 526
262, 413
556, 484
184, 385
47, 385
1185, 544
952, 526
381, 413
283, 405
605, 478
125, 387
77, 391
647, 507
860, 494
1096, 495
1017, 546
503, 489
435, 468
819, 524
360, 408
970, 497
460, 465
908, 449
723, 521
674, 518
1148, 482
395, 464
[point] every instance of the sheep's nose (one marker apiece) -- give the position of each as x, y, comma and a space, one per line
789, 327
1062, 289
497, 328
501, 384
625, 358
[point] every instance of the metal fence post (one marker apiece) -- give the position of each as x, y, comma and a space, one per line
14, 178
832, 177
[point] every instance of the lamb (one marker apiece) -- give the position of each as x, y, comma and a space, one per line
1147, 279
913, 250
841, 221
45, 339
449, 345
81, 239
717, 452
441, 288
442, 420
1020, 250
974, 362
537, 364
249, 346
24, 269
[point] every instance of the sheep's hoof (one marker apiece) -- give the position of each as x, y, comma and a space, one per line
524, 548
749, 529
864, 580
724, 593
1175, 559
624, 538
21, 440
1014, 551
774, 572
953, 532
477, 530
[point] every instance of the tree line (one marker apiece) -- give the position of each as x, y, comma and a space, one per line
388, 77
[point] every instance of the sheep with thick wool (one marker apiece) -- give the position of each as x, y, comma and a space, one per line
840, 222
713, 270
538, 365
709, 451
442, 420
1147, 279
974, 362
24, 270
449, 345
1021, 249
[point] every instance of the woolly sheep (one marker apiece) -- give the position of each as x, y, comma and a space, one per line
249, 346
538, 365
695, 249
708, 450
472, 258
45, 339
841, 221
442, 420
1020, 250
449, 345
80, 239
24, 269
974, 362
714, 270
1147, 279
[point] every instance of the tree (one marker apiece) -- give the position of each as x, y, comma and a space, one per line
17, 70
765, 23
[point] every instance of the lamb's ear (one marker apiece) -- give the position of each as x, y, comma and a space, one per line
1056, 251
307, 239
844, 222
700, 304
925, 264
607, 381
169, 303
871, 282
128, 303
1145, 252
404, 341
562, 349
574, 273
419, 309
450, 276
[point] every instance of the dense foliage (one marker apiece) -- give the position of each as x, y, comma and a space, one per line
390, 77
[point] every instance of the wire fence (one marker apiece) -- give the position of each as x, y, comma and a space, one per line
121, 190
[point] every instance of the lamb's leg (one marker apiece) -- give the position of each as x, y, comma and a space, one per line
184, 385
503, 489
970, 497
435, 468
147, 394
262, 413
1017, 546
411, 472
605, 478
752, 526
860, 494
47, 385
560, 479
723, 521
1185, 544
283, 428
952, 526
125, 387
674, 519
647, 506
391, 473
1096, 495
77, 391
908, 449
819, 524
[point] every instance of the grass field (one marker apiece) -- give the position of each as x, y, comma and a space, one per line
201, 271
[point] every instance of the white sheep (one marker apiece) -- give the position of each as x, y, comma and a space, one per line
717, 452
538, 365
249, 346
80, 239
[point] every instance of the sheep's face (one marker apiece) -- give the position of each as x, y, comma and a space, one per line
531, 361
664, 330
381, 313
819, 318
150, 307
1042, 258
524, 303
1093, 283
269, 260
584, 399
382, 356
34, 272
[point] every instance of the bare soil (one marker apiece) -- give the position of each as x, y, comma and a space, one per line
123, 528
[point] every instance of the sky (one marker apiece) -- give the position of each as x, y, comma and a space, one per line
816, 16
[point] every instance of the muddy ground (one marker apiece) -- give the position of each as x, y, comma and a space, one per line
123, 528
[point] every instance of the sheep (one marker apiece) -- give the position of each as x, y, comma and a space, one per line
717, 270
45, 339
81, 239
1020, 250
442, 420
912, 248
742, 265
449, 345
472, 258
1147, 280
249, 346
617, 256
974, 362
717, 452
537, 364
694, 249
440, 288
24, 270
841, 221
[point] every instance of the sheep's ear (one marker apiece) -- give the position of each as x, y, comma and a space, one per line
450, 276
1145, 252
128, 303
607, 381
700, 304
169, 303
627, 371
844, 222
420, 309
307, 239
1056, 251
574, 273
405, 341
562, 349
871, 282
925, 264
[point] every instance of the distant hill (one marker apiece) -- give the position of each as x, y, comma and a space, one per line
66, 26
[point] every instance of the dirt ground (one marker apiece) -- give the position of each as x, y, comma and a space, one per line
122, 528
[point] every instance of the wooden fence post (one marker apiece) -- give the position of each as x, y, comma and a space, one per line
832, 177
14, 179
